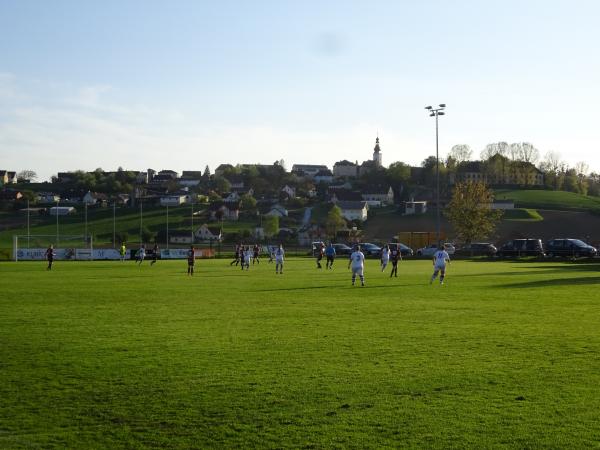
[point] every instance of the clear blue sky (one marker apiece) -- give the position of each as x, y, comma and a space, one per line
181, 84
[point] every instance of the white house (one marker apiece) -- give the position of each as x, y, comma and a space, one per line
188, 182
413, 207
277, 210
352, 210
378, 196
61, 210
48, 197
289, 191
88, 199
232, 197
206, 233
227, 210
346, 169
309, 170
324, 176
173, 200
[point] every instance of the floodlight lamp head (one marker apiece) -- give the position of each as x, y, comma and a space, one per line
441, 113
442, 105
432, 114
428, 107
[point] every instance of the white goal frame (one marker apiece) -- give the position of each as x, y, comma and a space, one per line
76, 247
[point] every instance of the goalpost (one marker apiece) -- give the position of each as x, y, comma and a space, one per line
66, 247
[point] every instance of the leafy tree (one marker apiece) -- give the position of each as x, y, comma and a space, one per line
335, 221
398, 173
460, 153
222, 185
470, 213
248, 202
206, 173
27, 175
270, 225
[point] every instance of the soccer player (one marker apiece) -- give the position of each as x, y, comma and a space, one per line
279, 254
191, 258
247, 256
255, 254
395, 256
237, 255
330, 254
440, 258
141, 254
357, 260
122, 251
320, 251
50, 256
385, 257
155, 252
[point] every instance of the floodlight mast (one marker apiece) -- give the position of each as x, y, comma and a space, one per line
435, 112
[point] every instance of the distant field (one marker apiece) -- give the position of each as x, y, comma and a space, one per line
522, 215
542, 199
111, 355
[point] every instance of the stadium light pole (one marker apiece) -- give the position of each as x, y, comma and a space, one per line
28, 234
192, 223
114, 224
85, 235
167, 226
57, 202
141, 220
436, 112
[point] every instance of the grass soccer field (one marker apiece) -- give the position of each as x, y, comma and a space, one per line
112, 355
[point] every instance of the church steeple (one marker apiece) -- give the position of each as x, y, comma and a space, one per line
377, 153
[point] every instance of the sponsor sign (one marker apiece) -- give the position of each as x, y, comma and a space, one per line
85, 254
181, 253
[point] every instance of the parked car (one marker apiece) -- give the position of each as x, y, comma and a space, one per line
432, 248
573, 248
370, 249
522, 247
404, 249
342, 249
477, 249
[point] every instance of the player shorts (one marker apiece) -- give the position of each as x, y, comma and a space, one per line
357, 271
439, 267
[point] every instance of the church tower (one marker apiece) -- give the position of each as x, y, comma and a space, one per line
377, 153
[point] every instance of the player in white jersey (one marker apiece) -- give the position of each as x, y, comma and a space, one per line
279, 255
247, 256
141, 254
440, 258
385, 257
357, 261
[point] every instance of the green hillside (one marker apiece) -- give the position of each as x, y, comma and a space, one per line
100, 223
558, 200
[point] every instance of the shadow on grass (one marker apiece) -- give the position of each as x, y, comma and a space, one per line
553, 282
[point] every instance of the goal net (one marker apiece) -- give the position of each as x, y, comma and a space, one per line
66, 247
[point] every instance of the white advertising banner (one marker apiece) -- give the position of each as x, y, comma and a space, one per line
181, 253
81, 254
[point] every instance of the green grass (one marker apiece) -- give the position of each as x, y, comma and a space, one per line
542, 199
111, 355
522, 215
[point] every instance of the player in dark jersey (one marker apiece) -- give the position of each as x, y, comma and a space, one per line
50, 256
155, 252
256, 254
191, 258
237, 255
320, 252
395, 256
